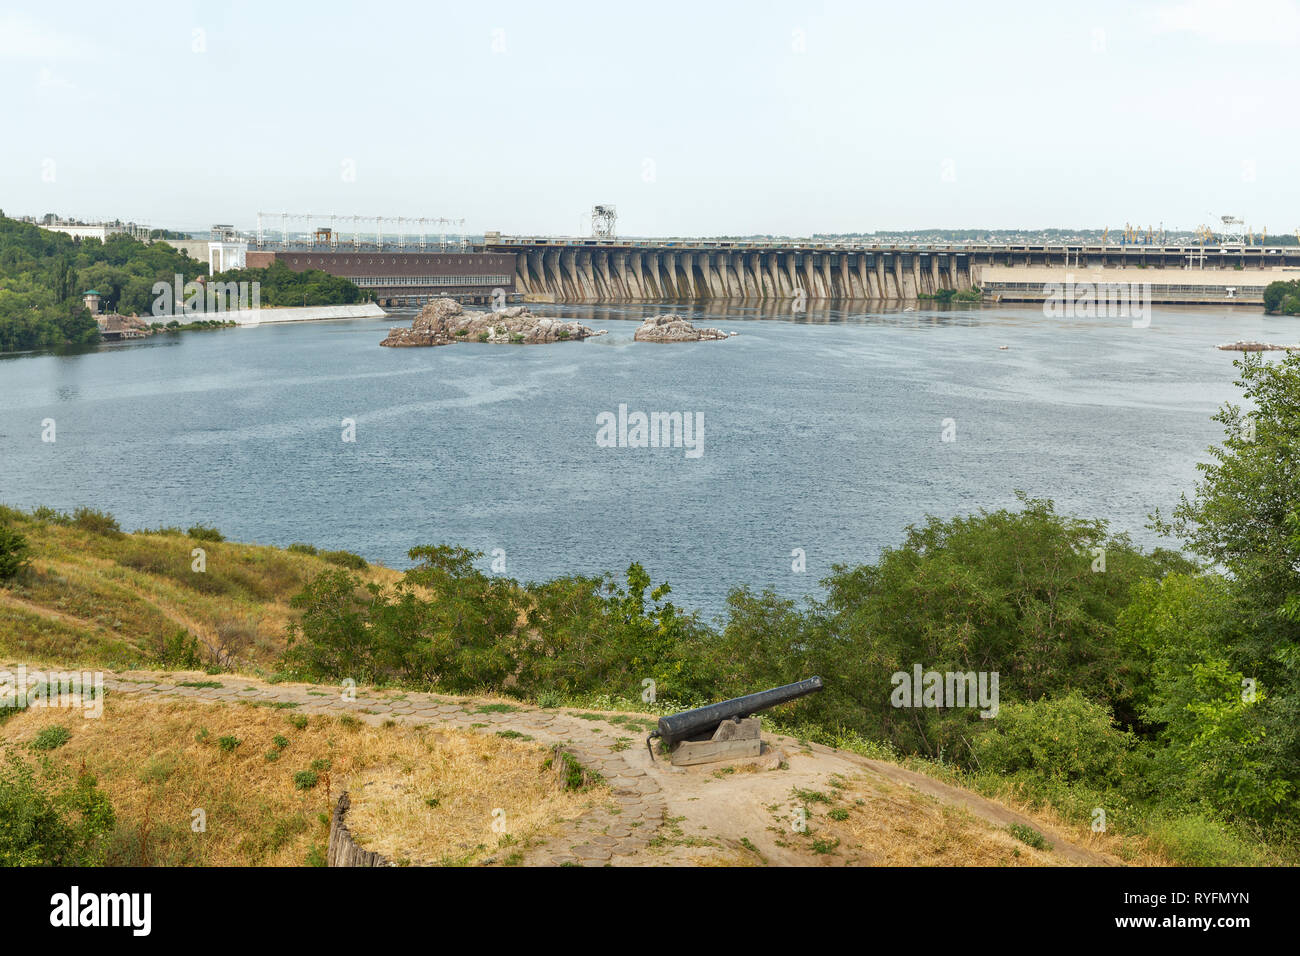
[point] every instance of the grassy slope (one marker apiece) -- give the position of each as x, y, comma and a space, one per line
159, 761
106, 600
113, 601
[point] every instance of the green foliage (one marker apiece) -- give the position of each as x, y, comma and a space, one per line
181, 650
228, 743
15, 552
1069, 739
1027, 834
97, 522
68, 826
1244, 517
345, 559
282, 286
1012, 592
51, 738
588, 634
43, 275
201, 532
305, 779
1283, 297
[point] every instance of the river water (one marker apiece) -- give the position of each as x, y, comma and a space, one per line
823, 434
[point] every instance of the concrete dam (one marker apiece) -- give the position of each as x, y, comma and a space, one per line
568, 272
631, 270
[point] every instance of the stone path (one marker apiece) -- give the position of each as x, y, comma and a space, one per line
600, 836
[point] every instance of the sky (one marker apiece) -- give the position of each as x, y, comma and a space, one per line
696, 118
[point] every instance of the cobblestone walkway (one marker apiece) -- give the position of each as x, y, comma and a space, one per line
603, 835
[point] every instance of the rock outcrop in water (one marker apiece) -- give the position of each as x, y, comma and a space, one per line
445, 322
674, 328
1242, 346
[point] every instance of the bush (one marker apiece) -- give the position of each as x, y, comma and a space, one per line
298, 548
305, 779
167, 531
345, 559
51, 738
14, 553
96, 522
201, 532
69, 827
47, 515
181, 650
1068, 739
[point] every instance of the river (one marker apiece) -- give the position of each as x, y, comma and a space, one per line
823, 434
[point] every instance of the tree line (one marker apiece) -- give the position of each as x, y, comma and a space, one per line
1129, 678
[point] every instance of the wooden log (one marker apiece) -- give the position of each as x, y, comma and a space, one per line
343, 850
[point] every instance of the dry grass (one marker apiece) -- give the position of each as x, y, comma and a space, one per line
442, 807
892, 825
160, 760
1135, 849
114, 600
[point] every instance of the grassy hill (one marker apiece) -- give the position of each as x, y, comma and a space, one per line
189, 609
94, 595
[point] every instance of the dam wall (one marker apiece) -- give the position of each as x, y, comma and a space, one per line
600, 275
625, 270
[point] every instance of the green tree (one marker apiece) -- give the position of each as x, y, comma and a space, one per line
1021, 593
1244, 517
14, 552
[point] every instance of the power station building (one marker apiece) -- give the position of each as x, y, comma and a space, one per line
405, 278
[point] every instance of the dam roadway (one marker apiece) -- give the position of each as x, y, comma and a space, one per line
613, 269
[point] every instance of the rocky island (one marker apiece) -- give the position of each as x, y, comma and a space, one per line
445, 321
674, 328
1242, 346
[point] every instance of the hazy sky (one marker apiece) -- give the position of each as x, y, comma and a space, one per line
694, 118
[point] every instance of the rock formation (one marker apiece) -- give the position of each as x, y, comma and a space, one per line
1242, 346
445, 321
674, 328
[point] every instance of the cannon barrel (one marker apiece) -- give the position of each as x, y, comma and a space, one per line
688, 723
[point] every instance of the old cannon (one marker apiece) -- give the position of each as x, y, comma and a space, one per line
725, 729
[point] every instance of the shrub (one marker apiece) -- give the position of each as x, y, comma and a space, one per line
181, 651
228, 743
51, 738
14, 553
305, 779
1068, 739
96, 522
345, 559
201, 532
1029, 835
69, 827
47, 515
167, 531
299, 548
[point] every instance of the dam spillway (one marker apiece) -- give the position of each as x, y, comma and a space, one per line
632, 270
575, 273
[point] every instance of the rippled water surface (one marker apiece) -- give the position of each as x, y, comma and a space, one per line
822, 434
